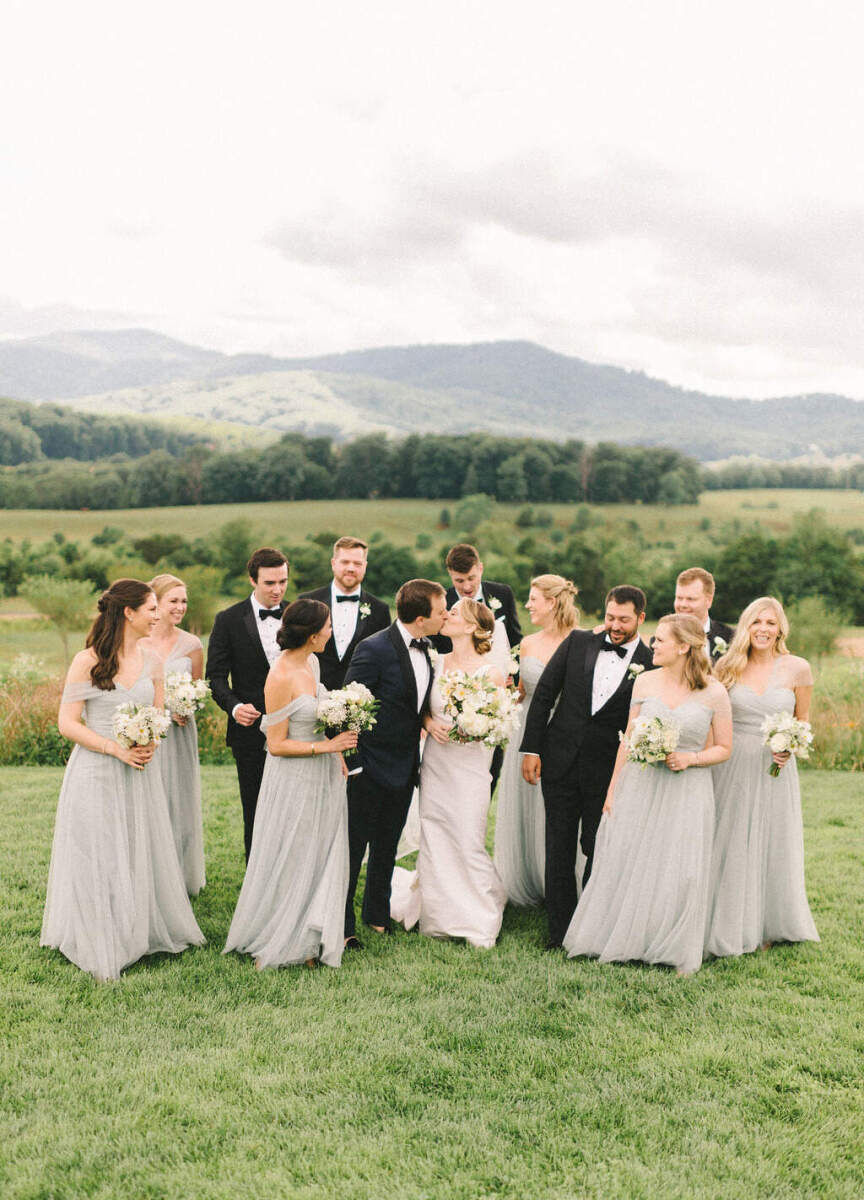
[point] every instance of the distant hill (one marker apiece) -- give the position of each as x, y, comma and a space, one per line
503, 387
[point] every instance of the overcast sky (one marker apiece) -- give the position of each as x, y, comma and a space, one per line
671, 187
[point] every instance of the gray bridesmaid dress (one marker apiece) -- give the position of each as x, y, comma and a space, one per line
757, 870
647, 897
181, 777
520, 821
115, 889
292, 904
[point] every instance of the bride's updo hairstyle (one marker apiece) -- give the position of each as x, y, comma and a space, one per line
687, 631
564, 592
477, 614
107, 631
730, 667
300, 621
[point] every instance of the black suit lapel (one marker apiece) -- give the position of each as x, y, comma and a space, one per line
591, 653
359, 627
408, 677
627, 680
251, 623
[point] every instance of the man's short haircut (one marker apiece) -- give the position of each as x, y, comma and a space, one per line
414, 599
265, 556
694, 573
461, 558
625, 593
349, 543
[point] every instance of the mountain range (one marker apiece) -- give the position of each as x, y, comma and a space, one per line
512, 388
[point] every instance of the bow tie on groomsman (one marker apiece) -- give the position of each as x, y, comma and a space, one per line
355, 599
270, 612
621, 651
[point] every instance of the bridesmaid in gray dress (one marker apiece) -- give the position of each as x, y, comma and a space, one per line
292, 904
647, 898
115, 890
757, 872
520, 821
178, 755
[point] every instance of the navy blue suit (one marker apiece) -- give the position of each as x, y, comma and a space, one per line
380, 796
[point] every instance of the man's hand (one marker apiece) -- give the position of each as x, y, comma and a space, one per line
531, 768
246, 714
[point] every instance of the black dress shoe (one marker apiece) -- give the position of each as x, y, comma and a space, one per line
553, 946
353, 943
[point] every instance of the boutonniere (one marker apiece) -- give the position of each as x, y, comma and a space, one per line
720, 645
365, 609
634, 671
494, 603
433, 655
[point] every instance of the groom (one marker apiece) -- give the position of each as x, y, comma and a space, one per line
395, 665
572, 747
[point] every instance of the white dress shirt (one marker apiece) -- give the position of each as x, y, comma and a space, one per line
609, 670
267, 630
419, 664
344, 618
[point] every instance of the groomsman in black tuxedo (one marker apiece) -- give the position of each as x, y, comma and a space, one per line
395, 665
355, 613
240, 652
694, 594
572, 748
465, 568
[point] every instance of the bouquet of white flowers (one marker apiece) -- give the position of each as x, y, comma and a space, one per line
350, 709
651, 739
479, 709
140, 724
784, 733
184, 696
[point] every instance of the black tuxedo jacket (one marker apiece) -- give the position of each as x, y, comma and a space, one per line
573, 740
333, 669
506, 612
237, 669
390, 751
718, 629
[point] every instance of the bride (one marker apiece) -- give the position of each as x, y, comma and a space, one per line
455, 891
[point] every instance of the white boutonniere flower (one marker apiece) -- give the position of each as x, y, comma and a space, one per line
365, 609
433, 655
494, 603
720, 645
634, 671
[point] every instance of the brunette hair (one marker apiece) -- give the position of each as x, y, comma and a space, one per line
160, 584
730, 667
265, 556
563, 592
479, 615
300, 621
349, 543
414, 599
704, 577
687, 631
461, 558
106, 632
625, 593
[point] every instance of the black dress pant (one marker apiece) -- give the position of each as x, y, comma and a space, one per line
376, 818
495, 768
250, 767
567, 803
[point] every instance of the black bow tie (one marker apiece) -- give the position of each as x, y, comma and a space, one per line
418, 644
347, 599
270, 612
621, 651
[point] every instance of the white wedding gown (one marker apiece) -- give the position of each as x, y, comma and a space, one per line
455, 890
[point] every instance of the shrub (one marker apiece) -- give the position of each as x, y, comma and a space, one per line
813, 627
69, 604
838, 716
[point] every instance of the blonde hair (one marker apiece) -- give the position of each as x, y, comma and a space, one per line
160, 584
704, 577
563, 592
687, 631
477, 614
730, 667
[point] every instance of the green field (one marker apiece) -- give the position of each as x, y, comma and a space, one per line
423, 1069
401, 520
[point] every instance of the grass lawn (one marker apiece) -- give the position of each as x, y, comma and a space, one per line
425, 1069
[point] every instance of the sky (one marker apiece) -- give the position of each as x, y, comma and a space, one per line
676, 188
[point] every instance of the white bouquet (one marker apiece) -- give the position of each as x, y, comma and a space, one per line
140, 724
184, 696
651, 739
350, 709
480, 710
784, 733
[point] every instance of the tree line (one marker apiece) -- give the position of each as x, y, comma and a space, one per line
421, 466
762, 474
